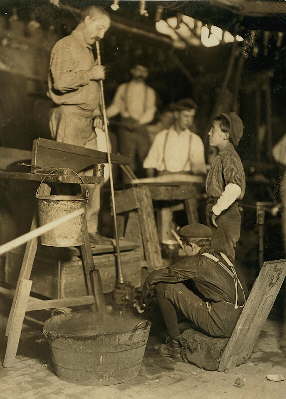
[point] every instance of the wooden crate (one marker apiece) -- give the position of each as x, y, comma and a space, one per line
45, 273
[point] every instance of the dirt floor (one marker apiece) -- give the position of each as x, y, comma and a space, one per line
31, 377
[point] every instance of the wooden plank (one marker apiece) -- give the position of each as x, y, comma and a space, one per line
17, 322
170, 193
148, 227
9, 156
107, 248
125, 200
25, 272
49, 178
40, 304
254, 314
172, 178
52, 154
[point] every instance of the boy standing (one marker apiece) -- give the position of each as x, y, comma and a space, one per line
225, 183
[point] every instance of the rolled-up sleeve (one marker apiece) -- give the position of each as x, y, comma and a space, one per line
62, 65
154, 157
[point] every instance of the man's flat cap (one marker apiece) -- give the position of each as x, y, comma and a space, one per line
195, 231
183, 105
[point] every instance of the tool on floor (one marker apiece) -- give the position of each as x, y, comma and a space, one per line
123, 294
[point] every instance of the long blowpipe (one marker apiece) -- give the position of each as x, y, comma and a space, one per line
119, 267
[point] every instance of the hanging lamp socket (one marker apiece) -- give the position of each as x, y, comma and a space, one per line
115, 5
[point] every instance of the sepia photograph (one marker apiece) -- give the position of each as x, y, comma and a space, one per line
142, 194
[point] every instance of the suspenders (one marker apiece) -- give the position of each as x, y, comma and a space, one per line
164, 152
231, 271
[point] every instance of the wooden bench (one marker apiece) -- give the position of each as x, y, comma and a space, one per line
222, 353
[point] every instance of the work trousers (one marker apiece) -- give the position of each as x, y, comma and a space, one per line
227, 234
71, 125
135, 145
216, 319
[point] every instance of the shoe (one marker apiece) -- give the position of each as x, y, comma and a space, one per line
172, 349
98, 239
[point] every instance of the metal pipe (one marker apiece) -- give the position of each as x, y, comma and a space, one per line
119, 267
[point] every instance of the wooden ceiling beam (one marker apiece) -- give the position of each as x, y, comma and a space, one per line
252, 8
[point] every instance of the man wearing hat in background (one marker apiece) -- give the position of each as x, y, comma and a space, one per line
202, 287
135, 101
225, 183
176, 150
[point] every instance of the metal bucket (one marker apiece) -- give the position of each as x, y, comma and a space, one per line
52, 207
100, 358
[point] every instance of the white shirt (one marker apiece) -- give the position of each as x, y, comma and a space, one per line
134, 99
175, 152
279, 151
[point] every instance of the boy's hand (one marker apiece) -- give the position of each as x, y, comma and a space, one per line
213, 219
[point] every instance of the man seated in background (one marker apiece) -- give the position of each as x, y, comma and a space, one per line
176, 150
135, 101
163, 120
202, 287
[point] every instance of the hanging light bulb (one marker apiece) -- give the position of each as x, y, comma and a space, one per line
115, 5
142, 8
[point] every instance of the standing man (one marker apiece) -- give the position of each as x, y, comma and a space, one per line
176, 150
135, 101
73, 86
225, 183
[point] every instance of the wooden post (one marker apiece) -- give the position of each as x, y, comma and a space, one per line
148, 227
17, 322
25, 272
268, 104
258, 122
191, 208
224, 85
238, 75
